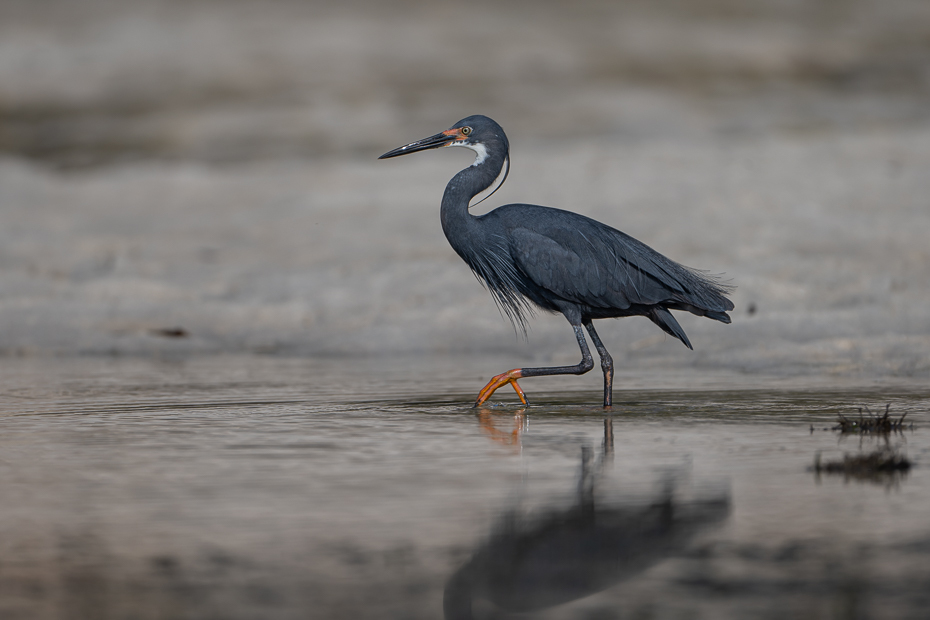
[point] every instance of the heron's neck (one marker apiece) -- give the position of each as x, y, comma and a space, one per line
457, 223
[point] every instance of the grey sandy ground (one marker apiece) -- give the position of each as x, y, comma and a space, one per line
212, 168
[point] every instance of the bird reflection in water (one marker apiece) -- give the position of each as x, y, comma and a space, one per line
562, 555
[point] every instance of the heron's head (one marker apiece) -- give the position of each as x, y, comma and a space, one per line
478, 133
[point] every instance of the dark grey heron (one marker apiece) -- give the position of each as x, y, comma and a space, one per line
559, 261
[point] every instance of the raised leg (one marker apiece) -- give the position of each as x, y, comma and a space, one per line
607, 363
511, 376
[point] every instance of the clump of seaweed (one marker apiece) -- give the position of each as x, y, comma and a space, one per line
872, 424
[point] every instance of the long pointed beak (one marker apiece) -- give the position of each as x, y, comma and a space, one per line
433, 142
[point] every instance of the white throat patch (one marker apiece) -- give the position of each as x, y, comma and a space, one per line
481, 152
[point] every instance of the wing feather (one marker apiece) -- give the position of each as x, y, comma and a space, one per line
585, 262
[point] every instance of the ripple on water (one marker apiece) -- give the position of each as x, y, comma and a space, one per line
295, 488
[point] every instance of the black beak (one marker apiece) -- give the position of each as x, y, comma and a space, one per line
433, 142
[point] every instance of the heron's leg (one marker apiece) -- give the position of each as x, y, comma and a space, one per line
607, 363
511, 376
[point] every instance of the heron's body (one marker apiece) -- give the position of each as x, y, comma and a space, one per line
559, 261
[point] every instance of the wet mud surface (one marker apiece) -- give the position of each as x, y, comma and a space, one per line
242, 488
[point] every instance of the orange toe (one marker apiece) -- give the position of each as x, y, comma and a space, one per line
499, 381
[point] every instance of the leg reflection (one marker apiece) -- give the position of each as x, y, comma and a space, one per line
488, 422
554, 556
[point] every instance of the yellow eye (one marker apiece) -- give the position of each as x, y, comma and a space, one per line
466, 131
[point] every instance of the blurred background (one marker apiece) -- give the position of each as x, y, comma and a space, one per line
200, 176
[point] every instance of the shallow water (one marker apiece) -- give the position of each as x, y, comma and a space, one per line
251, 487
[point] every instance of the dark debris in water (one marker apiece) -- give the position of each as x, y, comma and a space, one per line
871, 424
883, 465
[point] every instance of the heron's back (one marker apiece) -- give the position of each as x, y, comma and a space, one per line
567, 257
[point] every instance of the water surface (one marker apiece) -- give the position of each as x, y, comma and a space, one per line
251, 487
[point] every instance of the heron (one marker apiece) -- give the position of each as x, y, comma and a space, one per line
532, 257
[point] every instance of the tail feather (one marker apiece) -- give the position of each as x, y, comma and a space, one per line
664, 319
717, 315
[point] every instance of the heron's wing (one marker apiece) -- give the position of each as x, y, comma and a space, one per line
585, 267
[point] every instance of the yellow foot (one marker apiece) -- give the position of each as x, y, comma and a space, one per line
501, 380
